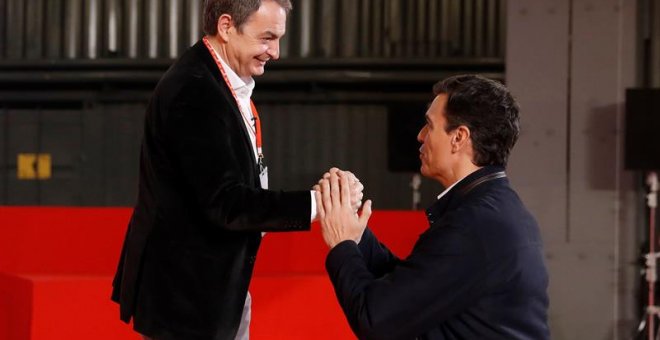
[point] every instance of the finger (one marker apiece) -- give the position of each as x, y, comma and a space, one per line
334, 190
320, 212
345, 192
317, 187
333, 170
358, 187
366, 213
326, 175
325, 194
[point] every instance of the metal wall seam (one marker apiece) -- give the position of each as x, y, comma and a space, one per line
491, 28
422, 35
3, 46
305, 27
92, 28
365, 29
15, 29
409, 25
153, 15
479, 19
349, 28
445, 28
112, 25
194, 26
173, 27
432, 15
34, 32
377, 31
72, 29
468, 28
328, 28
133, 32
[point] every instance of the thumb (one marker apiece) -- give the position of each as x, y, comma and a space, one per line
366, 213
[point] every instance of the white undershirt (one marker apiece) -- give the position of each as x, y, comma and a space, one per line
450, 187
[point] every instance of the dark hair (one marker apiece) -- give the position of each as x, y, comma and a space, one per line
240, 11
490, 112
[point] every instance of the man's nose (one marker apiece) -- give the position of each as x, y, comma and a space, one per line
274, 49
420, 135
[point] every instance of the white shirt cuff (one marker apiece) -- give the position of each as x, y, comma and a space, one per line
313, 217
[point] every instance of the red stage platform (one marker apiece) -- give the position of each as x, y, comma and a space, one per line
56, 267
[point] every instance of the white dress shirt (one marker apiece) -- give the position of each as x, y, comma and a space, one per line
243, 88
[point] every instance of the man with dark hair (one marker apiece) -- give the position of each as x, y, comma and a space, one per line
203, 199
477, 272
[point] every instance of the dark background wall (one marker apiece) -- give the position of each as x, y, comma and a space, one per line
350, 90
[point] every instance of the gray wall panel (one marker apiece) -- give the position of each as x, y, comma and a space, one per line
123, 124
3, 28
23, 137
133, 30
113, 26
93, 156
72, 29
349, 28
153, 28
655, 43
603, 58
34, 30
327, 28
15, 29
61, 138
567, 165
53, 36
193, 13
92, 28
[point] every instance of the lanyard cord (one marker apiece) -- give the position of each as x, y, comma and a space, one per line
257, 122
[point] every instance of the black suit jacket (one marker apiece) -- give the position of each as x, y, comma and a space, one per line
191, 243
477, 272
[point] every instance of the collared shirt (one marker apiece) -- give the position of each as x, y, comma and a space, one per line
450, 187
243, 87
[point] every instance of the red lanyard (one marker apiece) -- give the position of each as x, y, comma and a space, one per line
257, 121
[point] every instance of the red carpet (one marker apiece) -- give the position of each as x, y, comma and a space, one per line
56, 267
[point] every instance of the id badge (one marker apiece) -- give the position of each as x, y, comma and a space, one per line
263, 178
263, 175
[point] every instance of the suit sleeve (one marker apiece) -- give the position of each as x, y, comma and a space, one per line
378, 259
205, 143
438, 280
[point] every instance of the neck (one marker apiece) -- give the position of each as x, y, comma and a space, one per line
221, 49
458, 172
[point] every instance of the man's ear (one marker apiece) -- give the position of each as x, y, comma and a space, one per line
461, 138
225, 22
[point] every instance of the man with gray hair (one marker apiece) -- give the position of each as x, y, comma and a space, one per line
203, 200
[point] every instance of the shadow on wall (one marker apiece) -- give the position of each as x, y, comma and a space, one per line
601, 136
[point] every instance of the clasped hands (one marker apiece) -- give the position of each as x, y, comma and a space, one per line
338, 198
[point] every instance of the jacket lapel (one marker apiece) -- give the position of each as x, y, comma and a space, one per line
209, 62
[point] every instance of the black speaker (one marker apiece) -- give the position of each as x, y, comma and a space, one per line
642, 121
404, 122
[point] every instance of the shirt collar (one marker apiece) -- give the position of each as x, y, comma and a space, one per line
243, 86
449, 188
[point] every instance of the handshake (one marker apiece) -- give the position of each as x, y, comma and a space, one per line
338, 198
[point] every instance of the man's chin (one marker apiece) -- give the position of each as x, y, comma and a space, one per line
424, 171
257, 71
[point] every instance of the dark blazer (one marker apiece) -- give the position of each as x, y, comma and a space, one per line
477, 272
191, 243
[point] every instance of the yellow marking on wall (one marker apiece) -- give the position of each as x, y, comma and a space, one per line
34, 166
